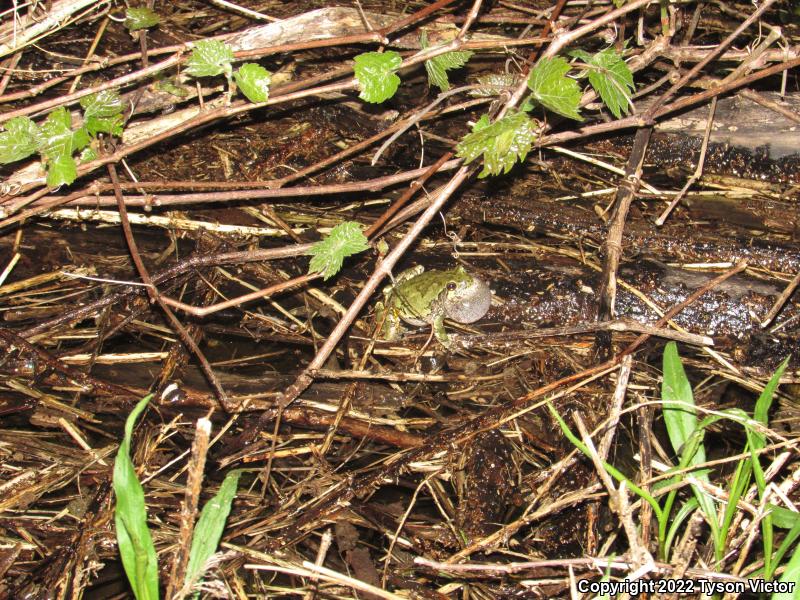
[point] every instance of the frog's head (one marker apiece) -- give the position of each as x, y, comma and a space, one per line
467, 298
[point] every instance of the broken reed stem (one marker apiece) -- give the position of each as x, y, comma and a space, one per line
194, 481
623, 375
322, 552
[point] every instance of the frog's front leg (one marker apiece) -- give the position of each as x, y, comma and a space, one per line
388, 321
440, 333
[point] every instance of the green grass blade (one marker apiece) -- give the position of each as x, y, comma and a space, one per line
210, 525
130, 516
674, 525
756, 441
739, 484
609, 468
764, 401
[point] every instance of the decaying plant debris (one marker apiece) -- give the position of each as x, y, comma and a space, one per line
398, 469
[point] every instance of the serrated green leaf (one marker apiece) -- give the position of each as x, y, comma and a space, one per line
551, 87
501, 143
328, 255
582, 55
437, 75
209, 58
438, 66
494, 84
375, 74
140, 18
481, 123
80, 139
254, 82
209, 527
102, 104
56, 134
88, 155
61, 170
130, 517
19, 140
110, 125
611, 79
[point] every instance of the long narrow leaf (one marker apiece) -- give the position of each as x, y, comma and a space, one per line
791, 575
210, 525
130, 516
674, 525
680, 418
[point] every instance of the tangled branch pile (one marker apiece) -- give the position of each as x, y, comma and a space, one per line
200, 207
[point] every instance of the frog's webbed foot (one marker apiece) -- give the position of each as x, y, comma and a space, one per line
388, 322
441, 334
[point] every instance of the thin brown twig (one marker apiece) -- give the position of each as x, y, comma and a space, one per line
155, 297
719, 49
782, 298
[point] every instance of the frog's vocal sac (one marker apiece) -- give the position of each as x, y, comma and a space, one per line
421, 297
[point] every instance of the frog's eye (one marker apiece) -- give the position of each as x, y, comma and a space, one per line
451, 286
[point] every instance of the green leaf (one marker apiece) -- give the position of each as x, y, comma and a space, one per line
254, 81
611, 79
764, 401
678, 400
501, 143
110, 125
61, 170
438, 66
610, 469
80, 138
56, 134
675, 523
88, 155
209, 58
344, 240
19, 140
375, 74
791, 576
209, 528
783, 517
102, 104
130, 517
140, 18
551, 87
103, 113
686, 437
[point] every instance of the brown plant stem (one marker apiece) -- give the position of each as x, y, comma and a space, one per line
155, 297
